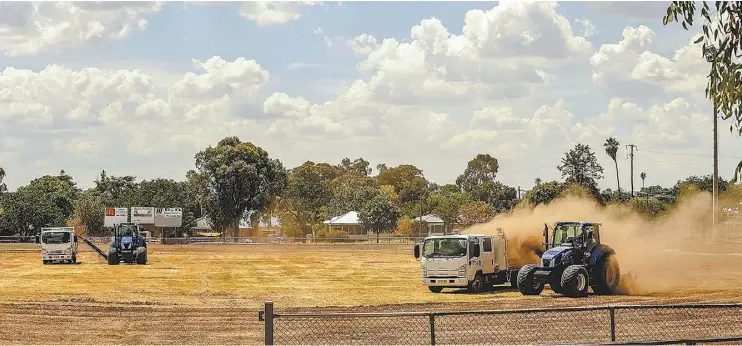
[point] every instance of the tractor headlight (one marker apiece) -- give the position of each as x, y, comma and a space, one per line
462, 270
553, 262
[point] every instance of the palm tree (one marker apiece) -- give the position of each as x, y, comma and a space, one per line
2, 176
611, 148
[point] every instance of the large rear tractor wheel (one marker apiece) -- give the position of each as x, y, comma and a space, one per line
435, 289
476, 285
113, 258
555, 280
526, 283
575, 281
607, 276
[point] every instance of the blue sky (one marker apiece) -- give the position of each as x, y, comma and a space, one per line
404, 106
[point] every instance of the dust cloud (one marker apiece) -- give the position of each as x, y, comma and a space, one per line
677, 251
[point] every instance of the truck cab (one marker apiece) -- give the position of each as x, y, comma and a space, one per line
465, 261
58, 244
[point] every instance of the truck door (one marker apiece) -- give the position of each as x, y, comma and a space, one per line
488, 256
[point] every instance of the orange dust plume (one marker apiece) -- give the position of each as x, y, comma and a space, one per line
676, 251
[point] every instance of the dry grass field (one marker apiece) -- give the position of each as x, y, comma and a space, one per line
212, 293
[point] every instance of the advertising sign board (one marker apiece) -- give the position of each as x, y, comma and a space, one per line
168, 217
115, 215
143, 215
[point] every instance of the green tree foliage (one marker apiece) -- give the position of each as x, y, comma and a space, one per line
475, 212
611, 149
379, 214
703, 183
501, 197
448, 208
647, 206
306, 197
358, 166
61, 190
116, 191
481, 169
237, 177
88, 213
580, 166
27, 210
544, 193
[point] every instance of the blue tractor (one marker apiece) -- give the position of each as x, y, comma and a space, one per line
127, 245
575, 262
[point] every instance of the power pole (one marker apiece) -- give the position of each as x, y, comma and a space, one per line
631, 155
710, 55
715, 189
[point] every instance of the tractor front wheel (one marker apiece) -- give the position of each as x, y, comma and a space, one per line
526, 283
555, 280
142, 257
607, 276
575, 281
113, 258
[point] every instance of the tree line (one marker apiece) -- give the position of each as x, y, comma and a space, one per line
235, 180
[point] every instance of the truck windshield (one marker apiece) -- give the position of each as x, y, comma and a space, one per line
55, 237
563, 233
445, 247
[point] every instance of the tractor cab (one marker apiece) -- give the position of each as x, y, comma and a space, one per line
574, 234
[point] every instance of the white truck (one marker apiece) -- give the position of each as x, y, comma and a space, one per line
466, 261
58, 244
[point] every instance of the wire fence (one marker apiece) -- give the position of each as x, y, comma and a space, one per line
619, 324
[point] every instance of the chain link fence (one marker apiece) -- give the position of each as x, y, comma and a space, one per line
620, 324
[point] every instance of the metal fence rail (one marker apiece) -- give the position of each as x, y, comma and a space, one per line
616, 324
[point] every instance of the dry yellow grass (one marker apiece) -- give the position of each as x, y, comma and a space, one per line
225, 275
210, 294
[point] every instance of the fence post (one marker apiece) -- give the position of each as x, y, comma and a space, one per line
432, 328
612, 312
269, 323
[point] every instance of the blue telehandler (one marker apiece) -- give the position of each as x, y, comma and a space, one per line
128, 245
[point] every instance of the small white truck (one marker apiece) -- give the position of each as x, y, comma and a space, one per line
58, 244
465, 261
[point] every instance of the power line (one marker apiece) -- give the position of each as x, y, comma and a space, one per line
691, 155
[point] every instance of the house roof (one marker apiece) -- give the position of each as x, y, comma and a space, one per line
430, 218
349, 218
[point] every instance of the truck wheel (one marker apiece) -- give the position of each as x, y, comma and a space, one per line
575, 281
526, 284
45, 261
607, 276
113, 258
74, 259
477, 285
555, 280
435, 289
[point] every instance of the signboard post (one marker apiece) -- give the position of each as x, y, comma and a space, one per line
115, 215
